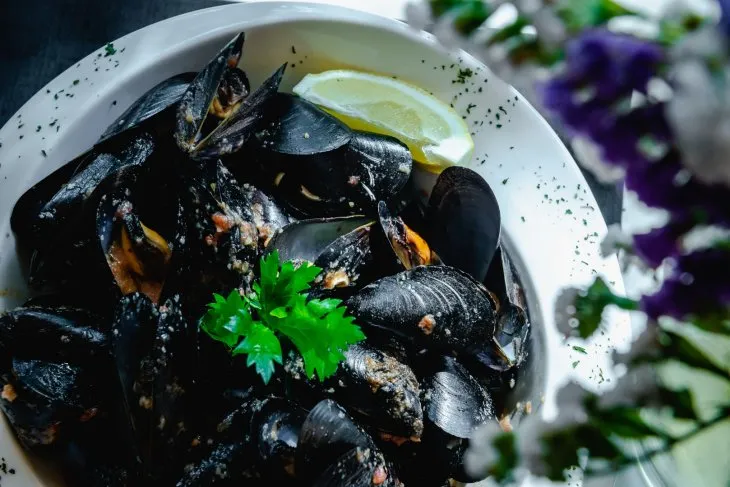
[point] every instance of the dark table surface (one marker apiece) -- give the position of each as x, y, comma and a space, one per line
41, 38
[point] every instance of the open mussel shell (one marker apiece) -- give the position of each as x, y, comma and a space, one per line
275, 431
42, 400
152, 348
433, 305
464, 221
375, 382
409, 247
220, 92
228, 229
321, 168
455, 405
160, 98
327, 433
340, 246
453, 400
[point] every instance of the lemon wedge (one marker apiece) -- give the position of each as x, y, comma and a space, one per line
436, 135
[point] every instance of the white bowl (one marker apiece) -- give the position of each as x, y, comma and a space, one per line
551, 222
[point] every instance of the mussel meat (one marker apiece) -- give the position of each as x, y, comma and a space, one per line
408, 246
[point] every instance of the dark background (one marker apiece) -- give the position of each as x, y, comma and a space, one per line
39, 39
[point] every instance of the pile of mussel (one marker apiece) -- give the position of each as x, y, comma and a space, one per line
105, 372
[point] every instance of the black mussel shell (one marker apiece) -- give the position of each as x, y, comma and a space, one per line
453, 400
64, 195
26, 221
375, 382
85, 464
433, 305
221, 467
455, 405
340, 246
320, 167
275, 430
464, 221
327, 433
152, 348
299, 128
223, 230
158, 99
359, 467
55, 333
42, 400
381, 165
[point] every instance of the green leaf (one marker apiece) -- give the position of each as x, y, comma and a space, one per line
262, 348
680, 401
227, 318
321, 332
579, 15
685, 351
279, 312
626, 423
279, 286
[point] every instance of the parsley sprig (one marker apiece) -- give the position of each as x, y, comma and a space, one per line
279, 306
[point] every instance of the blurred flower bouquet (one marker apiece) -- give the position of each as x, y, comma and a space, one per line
654, 109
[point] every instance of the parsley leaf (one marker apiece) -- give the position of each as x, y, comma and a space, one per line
279, 307
263, 349
227, 318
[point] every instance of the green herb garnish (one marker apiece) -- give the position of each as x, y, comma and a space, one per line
279, 306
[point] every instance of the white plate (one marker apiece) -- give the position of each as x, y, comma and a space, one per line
551, 220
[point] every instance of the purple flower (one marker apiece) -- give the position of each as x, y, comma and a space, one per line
667, 184
658, 244
698, 286
725, 17
602, 70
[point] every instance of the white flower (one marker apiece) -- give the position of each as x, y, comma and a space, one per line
638, 387
418, 14
481, 455
699, 114
589, 156
702, 237
550, 29
531, 431
646, 344
615, 240
565, 310
570, 401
